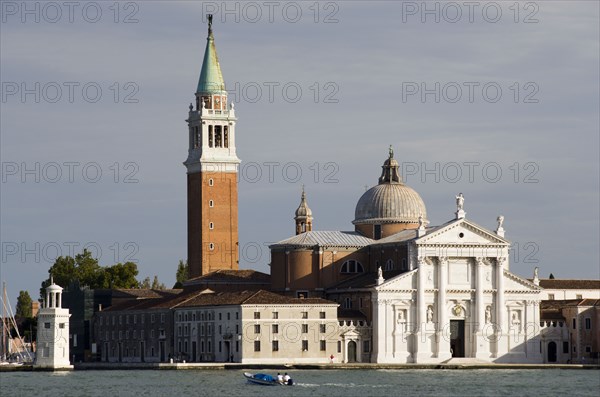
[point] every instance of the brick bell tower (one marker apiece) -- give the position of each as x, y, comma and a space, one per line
212, 172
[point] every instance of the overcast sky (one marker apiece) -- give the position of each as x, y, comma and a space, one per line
495, 101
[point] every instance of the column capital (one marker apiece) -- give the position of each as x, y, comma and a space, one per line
501, 260
480, 261
442, 259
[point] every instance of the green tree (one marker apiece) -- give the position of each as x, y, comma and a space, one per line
157, 284
85, 269
182, 274
23, 305
145, 283
120, 276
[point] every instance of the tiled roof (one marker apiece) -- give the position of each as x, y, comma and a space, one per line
231, 276
365, 280
350, 314
569, 284
260, 297
326, 239
559, 304
144, 293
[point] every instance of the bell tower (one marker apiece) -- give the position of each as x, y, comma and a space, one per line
212, 172
303, 216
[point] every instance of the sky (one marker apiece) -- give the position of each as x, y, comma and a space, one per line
497, 100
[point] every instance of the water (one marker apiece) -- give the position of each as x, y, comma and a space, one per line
330, 383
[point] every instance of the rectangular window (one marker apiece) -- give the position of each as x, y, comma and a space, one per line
588, 323
366, 346
565, 347
275, 345
275, 328
574, 323
152, 318
304, 345
237, 315
127, 319
257, 315
62, 325
579, 296
339, 346
257, 328
551, 297
588, 349
135, 318
322, 345
228, 316
305, 328
162, 318
256, 345
237, 346
377, 232
220, 330
322, 328
322, 315
220, 346
142, 334
220, 318
47, 325
120, 319
275, 315
304, 314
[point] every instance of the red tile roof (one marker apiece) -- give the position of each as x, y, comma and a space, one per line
549, 283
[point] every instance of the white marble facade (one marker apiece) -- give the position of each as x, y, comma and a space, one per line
460, 300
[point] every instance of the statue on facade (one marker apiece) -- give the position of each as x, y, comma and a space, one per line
460, 202
488, 315
500, 221
379, 272
391, 152
429, 314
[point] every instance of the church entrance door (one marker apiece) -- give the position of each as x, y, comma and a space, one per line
457, 338
552, 352
351, 351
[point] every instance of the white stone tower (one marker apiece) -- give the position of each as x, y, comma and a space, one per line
52, 350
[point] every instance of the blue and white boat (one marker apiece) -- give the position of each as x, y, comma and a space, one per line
265, 380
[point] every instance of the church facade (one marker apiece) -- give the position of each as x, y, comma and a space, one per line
429, 293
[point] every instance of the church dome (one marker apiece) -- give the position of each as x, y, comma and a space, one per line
391, 201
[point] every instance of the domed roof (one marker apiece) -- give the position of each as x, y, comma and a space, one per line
391, 201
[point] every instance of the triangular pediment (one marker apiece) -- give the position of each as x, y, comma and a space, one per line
401, 282
462, 232
512, 282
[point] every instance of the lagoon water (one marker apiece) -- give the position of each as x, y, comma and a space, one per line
313, 383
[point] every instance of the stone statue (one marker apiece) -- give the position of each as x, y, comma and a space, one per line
421, 222
231, 106
488, 315
500, 221
536, 272
429, 314
379, 272
401, 316
391, 152
460, 201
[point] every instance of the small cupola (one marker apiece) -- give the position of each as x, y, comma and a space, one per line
303, 216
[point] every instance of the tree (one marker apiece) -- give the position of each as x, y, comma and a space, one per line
156, 284
182, 274
23, 305
145, 283
120, 276
86, 270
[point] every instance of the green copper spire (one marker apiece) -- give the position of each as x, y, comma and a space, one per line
211, 79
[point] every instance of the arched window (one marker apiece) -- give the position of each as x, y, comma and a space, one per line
352, 266
389, 265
